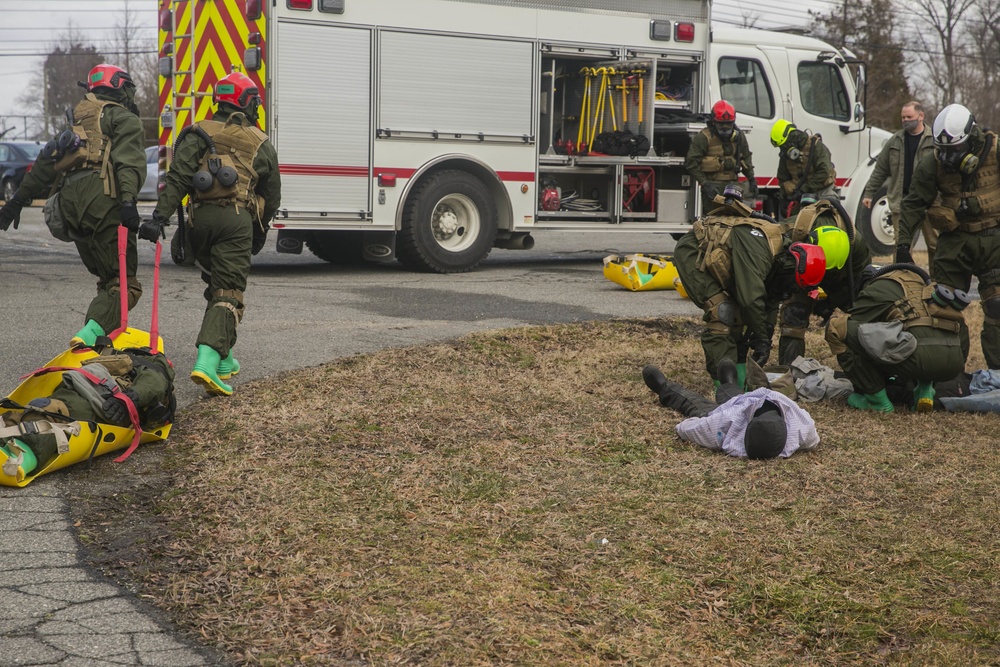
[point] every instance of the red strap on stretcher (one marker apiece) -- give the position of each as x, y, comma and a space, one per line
116, 392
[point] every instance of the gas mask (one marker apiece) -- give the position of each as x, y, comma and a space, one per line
793, 154
725, 130
956, 160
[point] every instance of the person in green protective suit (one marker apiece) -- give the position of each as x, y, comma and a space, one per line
904, 326
718, 154
737, 266
965, 174
827, 224
230, 169
97, 167
805, 165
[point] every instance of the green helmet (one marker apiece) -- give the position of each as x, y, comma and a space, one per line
835, 244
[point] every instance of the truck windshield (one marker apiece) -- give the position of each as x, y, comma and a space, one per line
822, 91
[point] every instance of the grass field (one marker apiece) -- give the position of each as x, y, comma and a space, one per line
519, 497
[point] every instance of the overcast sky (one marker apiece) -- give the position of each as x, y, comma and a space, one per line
29, 29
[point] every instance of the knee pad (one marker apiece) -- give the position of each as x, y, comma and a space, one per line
134, 290
836, 333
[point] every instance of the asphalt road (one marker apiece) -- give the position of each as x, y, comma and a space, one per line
302, 311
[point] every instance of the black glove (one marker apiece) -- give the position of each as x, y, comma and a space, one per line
824, 309
760, 351
903, 255
115, 411
130, 216
259, 239
752, 189
152, 230
11, 212
710, 190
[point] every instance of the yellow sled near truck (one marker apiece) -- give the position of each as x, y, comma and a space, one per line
76, 441
639, 273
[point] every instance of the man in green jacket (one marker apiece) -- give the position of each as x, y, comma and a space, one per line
97, 167
901, 326
805, 165
966, 177
901, 153
718, 154
738, 268
230, 169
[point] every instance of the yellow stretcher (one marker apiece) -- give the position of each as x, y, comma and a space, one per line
639, 273
92, 438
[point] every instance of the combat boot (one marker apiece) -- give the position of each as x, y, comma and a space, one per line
654, 378
205, 373
923, 397
228, 367
878, 402
741, 375
728, 373
87, 335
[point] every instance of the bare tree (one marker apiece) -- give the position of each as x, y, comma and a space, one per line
868, 29
54, 88
943, 50
138, 57
982, 90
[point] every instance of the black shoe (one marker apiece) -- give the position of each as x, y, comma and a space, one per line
727, 373
653, 378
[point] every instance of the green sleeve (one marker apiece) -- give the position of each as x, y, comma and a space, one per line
875, 300
923, 192
128, 150
752, 262
697, 152
269, 179
746, 157
783, 173
837, 283
38, 181
879, 174
187, 157
822, 164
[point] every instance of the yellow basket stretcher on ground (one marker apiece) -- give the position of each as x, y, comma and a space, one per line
78, 441
639, 273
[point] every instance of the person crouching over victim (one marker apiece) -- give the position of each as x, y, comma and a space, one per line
904, 326
761, 424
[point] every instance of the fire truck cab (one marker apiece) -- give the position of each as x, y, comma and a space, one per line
435, 130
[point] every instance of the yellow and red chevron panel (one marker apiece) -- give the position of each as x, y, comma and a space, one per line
210, 38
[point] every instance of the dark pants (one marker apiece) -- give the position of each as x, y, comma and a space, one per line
690, 404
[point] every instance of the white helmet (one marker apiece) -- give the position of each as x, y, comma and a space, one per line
952, 126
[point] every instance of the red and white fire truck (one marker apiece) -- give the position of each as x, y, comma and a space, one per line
436, 130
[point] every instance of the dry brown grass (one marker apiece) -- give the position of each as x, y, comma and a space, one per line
449, 505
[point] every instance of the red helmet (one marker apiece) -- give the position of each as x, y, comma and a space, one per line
810, 264
236, 88
723, 112
107, 76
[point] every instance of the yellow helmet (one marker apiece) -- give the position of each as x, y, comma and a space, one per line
835, 243
780, 131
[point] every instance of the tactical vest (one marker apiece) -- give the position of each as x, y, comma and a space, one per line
799, 168
983, 202
715, 254
916, 308
94, 152
121, 364
236, 144
806, 219
717, 164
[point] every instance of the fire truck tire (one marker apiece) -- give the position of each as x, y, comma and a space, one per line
449, 224
875, 224
337, 247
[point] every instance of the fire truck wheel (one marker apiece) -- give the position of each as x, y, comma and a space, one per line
876, 224
449, 224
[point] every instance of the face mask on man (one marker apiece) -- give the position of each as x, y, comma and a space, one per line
911, 125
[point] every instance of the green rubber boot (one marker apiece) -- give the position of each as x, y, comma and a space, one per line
228, 367
205, 372
87, 336
878, 402
741, 375
923, 397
